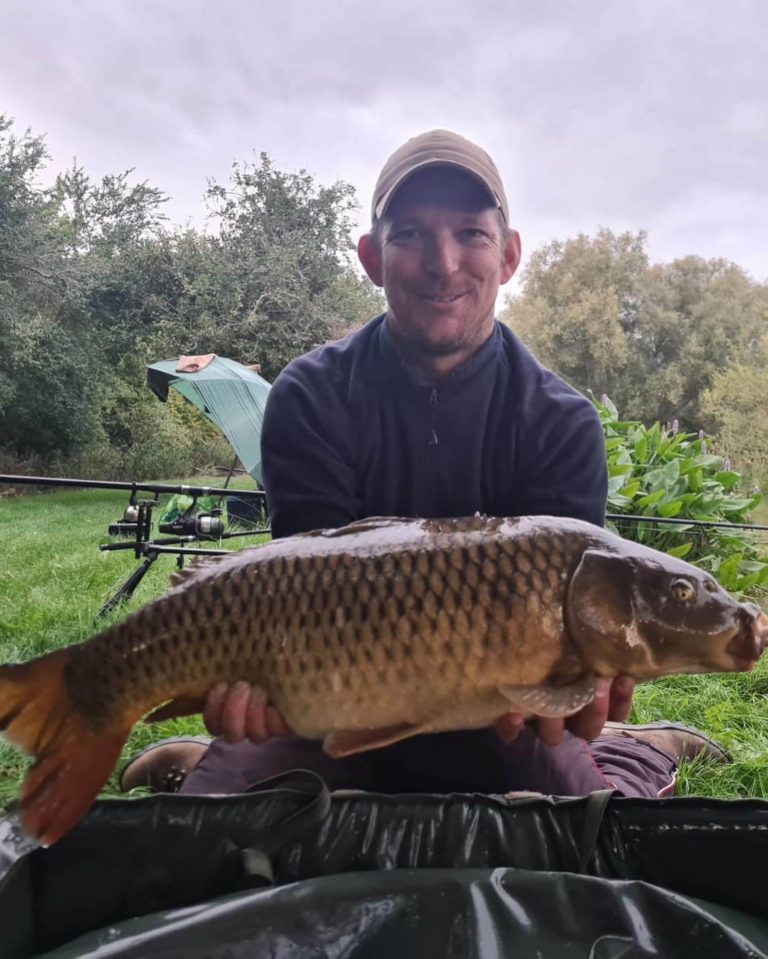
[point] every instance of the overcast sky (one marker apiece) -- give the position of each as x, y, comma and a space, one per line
631, 114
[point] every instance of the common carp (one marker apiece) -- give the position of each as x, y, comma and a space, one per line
372, 633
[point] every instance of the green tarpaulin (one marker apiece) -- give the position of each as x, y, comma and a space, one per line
232, 396
295, 873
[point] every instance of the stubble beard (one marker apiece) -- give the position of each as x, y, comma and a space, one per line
418, 344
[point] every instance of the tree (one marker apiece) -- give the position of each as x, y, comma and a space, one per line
29, 235
579, 307
94, 285
55, 406
61, 251
43, 405
652, 337
698, 317
283, 250
735, 408
110, 217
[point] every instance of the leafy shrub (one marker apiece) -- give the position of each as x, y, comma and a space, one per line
158, 447
660, 472
161, 446
54, 407
189, 418
152, 440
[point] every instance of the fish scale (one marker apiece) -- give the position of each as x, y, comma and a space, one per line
437, 618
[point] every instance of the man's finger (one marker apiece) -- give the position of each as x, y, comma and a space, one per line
589, 721
550, 731
622, 690
509, 726
233, 713
212, 710
256, 716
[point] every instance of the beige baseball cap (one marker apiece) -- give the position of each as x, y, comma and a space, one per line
437, 148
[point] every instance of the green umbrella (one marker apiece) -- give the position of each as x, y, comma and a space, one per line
229, 394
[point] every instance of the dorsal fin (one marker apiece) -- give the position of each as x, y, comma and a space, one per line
179, 576
195, 568
363, 526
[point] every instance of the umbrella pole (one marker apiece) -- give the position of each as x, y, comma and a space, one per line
231, 472
226, 481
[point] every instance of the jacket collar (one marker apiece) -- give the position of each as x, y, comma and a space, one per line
393, 363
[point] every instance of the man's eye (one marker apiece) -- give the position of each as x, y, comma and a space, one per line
474, 233
409, 233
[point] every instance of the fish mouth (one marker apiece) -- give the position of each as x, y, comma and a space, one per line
751, 640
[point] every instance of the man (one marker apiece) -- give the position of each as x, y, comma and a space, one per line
434, 409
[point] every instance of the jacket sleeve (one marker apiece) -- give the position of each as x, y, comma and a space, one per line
307, 454
569, 474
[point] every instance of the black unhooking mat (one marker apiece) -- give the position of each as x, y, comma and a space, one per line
293, 872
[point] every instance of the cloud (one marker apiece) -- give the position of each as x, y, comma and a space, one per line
597, 112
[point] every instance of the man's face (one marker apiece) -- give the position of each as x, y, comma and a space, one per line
441, 258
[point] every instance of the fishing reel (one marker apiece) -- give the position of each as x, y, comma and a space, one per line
188, 521
136, 521
128, 525
208, 525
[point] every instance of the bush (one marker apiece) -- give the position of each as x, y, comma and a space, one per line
161, 446
660, 472
149, 442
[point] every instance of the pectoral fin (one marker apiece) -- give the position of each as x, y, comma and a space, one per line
347, 742
181, 706
550, 701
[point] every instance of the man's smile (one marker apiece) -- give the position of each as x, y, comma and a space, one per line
443, 297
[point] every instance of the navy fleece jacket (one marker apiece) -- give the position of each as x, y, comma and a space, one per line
347, 434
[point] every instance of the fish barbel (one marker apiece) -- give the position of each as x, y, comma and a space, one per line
368, 634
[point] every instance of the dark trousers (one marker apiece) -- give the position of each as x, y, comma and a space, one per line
475, 761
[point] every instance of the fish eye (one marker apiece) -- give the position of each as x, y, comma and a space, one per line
683, 590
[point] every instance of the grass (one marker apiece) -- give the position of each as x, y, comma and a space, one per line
54, 579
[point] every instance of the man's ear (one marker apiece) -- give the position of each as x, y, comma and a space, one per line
510, 256
369, 254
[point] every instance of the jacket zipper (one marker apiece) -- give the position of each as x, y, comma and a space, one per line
432, 417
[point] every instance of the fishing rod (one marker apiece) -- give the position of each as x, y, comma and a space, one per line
180, 490
195, 525
717, 524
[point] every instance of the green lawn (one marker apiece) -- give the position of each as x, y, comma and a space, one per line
54, 578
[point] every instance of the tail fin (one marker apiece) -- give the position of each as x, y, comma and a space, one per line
73, 761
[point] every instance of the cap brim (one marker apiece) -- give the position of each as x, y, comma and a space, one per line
381, 206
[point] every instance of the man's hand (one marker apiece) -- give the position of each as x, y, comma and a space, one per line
240, 711
613, 700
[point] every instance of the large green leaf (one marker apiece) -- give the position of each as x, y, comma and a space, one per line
680, 551
613, 442
671, 472
651, 498
615, 483
668, 510
727, 478
659, 473
631, 488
